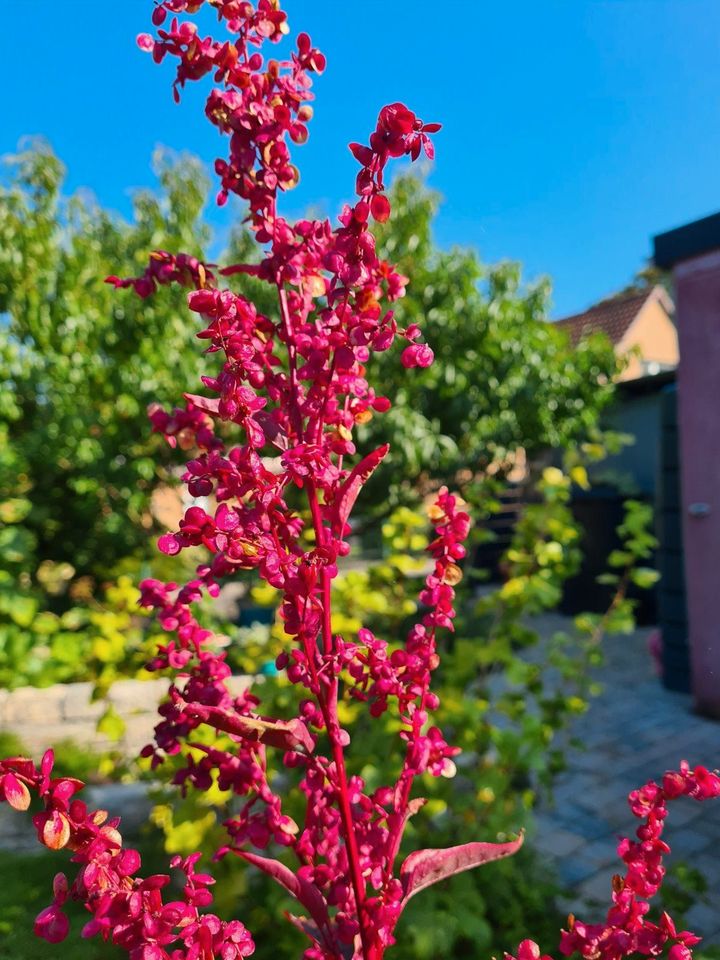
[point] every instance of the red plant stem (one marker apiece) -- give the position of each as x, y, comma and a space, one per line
329, 711
292, 362
328, 706
407, 778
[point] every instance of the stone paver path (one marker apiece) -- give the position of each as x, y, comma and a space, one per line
633, 732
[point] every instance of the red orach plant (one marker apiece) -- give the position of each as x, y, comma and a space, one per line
296, 387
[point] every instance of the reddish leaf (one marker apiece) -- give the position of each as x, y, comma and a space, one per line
56, 831
250, 269
398, 822
344, 950
285, 734
272, 429
380, 207
206, 404
425, 867
63, 788
16, 793
303, 891
52, 925
351, 487
169, 544
362, 154
46, 765
20, 766
307, 927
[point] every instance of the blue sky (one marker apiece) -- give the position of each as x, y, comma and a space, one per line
573, 129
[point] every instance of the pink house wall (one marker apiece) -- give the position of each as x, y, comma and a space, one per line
697, 296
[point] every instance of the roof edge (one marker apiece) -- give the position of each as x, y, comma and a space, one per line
666, 301
684, 243
610, 301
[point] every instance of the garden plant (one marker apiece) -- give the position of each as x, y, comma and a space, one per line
295, 384
508, 696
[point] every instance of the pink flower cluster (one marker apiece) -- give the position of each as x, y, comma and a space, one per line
398, 132
165, 268
127, 910
627, 931
258, 108
405, 673
297, 387
272, 446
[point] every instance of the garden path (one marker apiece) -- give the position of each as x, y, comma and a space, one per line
633, 731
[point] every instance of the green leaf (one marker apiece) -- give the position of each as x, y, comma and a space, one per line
14, 510
22, 610
644, 577
111, 724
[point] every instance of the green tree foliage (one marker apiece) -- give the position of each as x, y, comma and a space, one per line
80, 364
504, 379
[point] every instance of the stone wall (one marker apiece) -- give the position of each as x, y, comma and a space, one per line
41, 718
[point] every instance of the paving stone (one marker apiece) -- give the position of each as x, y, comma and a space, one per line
578, 820
558, 842
601, 799
620, 821
43, 717
707, 863
597, 888
704, 919
580, 790
686, 841
698, 814
709, 825
585, 760
79, 732
601, 852
17, 832
543, 823
238, 684
574, 871
632, 733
